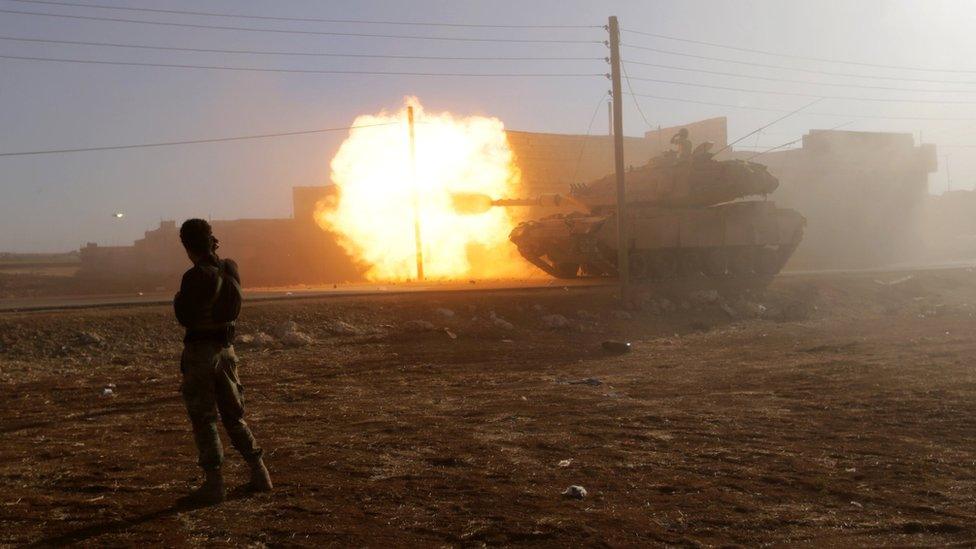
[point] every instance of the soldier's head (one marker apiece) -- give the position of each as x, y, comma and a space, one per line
683, 133
198, 239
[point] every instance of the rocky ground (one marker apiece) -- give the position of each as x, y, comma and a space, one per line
828, 410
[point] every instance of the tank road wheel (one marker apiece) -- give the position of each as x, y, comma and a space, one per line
663, 265
742, 261
638, 265
715, 262
566, 270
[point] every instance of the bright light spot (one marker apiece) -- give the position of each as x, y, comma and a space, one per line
374, 217
118, 215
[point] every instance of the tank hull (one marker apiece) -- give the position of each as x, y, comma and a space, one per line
748, 239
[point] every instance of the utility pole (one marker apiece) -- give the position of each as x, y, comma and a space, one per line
416, 195
623, 243
948, 177
610, 130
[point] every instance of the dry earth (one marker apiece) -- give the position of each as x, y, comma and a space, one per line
841, 412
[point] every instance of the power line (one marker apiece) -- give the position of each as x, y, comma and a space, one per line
300, 71
797, 69
770, 109
793, 56
761, 128
308, 19
794, 81
316, 33
313, 54
589, 128
801, 94
630, 87
194, 141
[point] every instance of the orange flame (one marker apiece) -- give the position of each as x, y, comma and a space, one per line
374, 216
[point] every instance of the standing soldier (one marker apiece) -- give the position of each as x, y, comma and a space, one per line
681, 141
207, 305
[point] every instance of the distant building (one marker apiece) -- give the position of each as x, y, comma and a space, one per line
861, 192
269, 251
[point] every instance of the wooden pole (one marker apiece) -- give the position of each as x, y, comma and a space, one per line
416, 197
623, 242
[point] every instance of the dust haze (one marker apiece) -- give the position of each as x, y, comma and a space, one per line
549, 273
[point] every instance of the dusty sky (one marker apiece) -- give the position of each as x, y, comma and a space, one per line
58, 202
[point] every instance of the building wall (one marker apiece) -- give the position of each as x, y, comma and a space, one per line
861, 193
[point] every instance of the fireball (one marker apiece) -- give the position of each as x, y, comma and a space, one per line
373, 216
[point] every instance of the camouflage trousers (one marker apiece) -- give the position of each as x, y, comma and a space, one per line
211, 387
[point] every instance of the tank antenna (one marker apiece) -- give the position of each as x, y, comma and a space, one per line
784, 117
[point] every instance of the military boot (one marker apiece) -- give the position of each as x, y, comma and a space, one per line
211, 492
260, 479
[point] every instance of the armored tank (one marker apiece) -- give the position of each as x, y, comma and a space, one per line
684, 218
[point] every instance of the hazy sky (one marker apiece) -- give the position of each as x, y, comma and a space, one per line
58, 202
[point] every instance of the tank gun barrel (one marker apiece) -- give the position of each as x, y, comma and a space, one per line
476, 203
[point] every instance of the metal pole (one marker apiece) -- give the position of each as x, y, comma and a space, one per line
416, 197
623, 243
948, 177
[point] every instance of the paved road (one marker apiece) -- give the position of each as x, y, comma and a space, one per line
266, 294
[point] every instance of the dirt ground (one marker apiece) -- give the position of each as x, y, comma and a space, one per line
829, 410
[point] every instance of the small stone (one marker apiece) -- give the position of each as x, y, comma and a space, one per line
555, 321
621, 315
285, 328
444, 312
297, 339
418, 326
90, 338
575, 491
341, 327
564, 463
704, 297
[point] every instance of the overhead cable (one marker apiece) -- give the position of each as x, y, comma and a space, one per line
796, 69
299, 71
298, 53
306, 32
802, 94
812, 113
793, 56
308, 19
794, 81
194, 141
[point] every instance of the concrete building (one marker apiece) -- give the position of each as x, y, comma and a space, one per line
861, 192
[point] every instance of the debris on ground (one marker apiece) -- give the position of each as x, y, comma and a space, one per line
617, 314
341, 328
704, 297
289, 333
591, 381
500, 322
564, 463
555, 321
90, 338
418, 326
616, 346
575, 491
444, 312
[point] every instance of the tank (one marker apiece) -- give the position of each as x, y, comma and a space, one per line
684, 218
